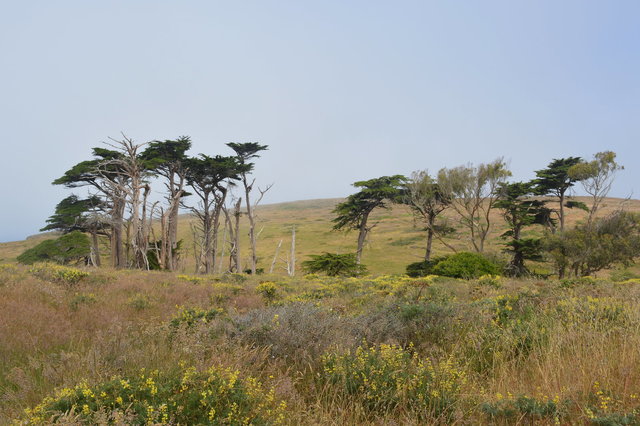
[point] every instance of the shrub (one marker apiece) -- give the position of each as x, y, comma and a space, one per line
218, 396
387, 377
58, 273
423, 268
81, 299
71, 247
139, 301
525, 408
334, 264
189, 316
465, 265
268, 290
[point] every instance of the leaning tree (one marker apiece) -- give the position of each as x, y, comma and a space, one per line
426, 200
556, 180
353, 214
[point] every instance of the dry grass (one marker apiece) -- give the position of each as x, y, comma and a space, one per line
547, 341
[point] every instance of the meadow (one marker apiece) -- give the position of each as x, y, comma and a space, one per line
139, 347
106, 346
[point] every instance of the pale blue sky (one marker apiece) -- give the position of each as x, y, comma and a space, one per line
340, 90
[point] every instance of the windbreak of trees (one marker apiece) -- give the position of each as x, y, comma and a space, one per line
473, 192
218, 190
118, 204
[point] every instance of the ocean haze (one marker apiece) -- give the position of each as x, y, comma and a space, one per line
340, 91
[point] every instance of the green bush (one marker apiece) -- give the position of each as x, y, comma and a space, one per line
423, 268
73, 247
334, 264
525, 408
466, 265
218, 396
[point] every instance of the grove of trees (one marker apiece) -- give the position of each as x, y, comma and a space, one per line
453, 205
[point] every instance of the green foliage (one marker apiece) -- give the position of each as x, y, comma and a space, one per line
424, 267
465, 265
191, 316
186, 396
588, 248
555, 179
520, 211
354, 212
73, 214
386, 377
139, 301
73, 247
334, 264
82, 299
525, 408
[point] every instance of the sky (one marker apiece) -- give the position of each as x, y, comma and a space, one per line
340, 91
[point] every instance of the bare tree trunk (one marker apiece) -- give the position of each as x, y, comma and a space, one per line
275, 257
224, 243
236, 245
292, 262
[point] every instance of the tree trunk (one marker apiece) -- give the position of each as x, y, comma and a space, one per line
427, 254
561, 211
292, 263
236, 245
362, 236
252, 235
95, 249
275, 257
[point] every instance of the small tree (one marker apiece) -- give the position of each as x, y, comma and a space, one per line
596, 177
555, 180
519, 211
334, 265
472, 191
353, 214
426, 200
73, 247
84, 215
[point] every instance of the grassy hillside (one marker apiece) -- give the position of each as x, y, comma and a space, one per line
394, 242
136, 347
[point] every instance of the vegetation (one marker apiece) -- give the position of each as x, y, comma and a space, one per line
316, 349
457, 339
334, 265
68, 248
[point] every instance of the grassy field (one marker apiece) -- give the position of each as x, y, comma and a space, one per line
87, 346
160, 348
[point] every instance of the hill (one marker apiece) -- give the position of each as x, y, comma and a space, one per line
394, 242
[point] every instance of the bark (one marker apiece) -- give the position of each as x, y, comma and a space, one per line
362, 236
275, 257
292, 262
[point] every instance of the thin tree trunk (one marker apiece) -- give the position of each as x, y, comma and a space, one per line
275, 257
292, 263
236, 246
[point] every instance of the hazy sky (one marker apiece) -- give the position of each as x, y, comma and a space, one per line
339, 90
